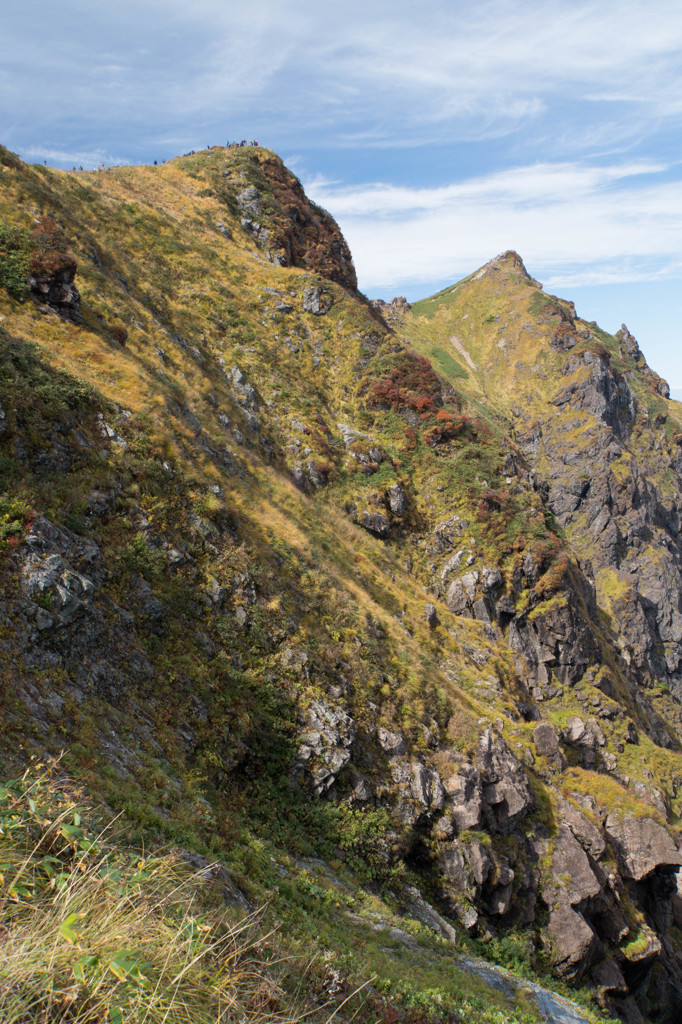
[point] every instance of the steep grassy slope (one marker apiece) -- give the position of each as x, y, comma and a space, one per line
296, 590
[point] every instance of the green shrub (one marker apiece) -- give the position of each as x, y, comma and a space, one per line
15, 249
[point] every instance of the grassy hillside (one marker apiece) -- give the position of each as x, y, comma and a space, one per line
235, 511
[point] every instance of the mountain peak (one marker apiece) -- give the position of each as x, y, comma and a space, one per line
508, 262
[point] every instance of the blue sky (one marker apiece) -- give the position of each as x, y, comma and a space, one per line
438, 135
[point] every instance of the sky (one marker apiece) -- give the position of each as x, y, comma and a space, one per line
437, 134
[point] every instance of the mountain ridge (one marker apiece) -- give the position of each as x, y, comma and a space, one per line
389, 585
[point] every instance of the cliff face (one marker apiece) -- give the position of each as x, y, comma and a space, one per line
401, 593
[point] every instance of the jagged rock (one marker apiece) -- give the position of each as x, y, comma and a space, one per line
452, 564
507, 794
48, 576
249, 200
628, 342
557, 640
427, 787
456, 870
464, 791
444, 829
393, 743
572, 879
492, 580
375, 522
444, 533
545, 739
577, 734
362, 791
641, 846
242, 390
397, 500
587, 834
609, 978
646, 949
423, 912
573, 945
499, 898
431, 615
479, 861
57, 291
315, 301
326, 745
465, 914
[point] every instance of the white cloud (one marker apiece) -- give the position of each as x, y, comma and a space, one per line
358, 73
576, 223
89, 159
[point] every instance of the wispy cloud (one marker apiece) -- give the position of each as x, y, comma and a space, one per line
574, 223
88, 159
360, 73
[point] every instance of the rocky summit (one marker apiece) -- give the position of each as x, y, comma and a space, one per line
367, 613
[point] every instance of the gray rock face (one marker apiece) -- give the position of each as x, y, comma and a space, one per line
587, 834
454, 867
507, 794
375, 522
619, 518
628, 342
423, 912
316, 302
609, 978
545, 739
397, 500
249, 201
572, 879
557, 640
479, 861
393, 743
464, 791
427, 787
326, 744
641, 846
573, 945
242, 390
49, 577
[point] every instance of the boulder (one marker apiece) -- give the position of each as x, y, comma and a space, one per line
431, 615
545, 739
573, 946
397, 500
641, 846
315, 301
376, 523
457, 599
